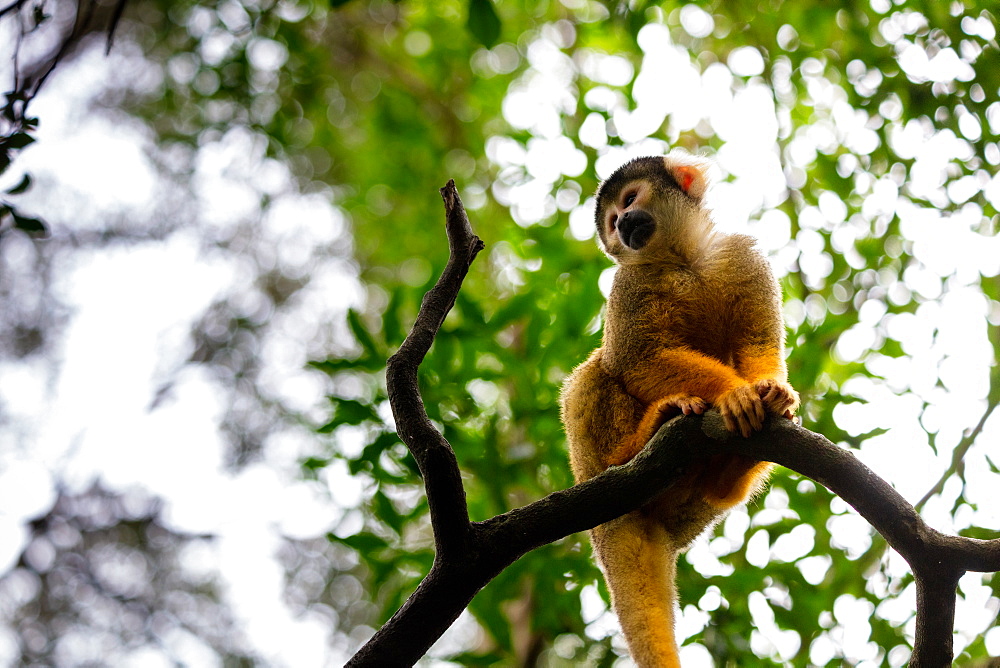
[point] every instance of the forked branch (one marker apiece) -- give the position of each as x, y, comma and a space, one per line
470, 554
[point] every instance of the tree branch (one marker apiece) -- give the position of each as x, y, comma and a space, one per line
433, 454
469, 555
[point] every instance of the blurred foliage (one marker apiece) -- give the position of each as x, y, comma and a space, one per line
412, 101
16, 133
531, 311
379, 103
101, 577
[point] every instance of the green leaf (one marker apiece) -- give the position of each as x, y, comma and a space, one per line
483, 23
32, 226
335, 365
313, 464
17, 140
368, 460
362, 335
363, 542
878, 431
980, 533
348, 411
21, 187
386, 511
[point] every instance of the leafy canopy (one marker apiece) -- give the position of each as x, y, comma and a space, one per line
859, 140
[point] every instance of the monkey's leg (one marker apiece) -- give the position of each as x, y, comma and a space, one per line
639, 563
654, 416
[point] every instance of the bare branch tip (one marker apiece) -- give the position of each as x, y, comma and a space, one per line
449, 193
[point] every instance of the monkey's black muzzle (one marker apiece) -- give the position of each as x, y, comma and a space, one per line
635, 228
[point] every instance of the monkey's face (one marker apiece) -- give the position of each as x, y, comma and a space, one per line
624, 219
646, 201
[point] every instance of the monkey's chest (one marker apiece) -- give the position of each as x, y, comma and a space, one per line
711, 323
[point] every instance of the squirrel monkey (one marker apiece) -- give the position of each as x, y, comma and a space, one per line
693, 320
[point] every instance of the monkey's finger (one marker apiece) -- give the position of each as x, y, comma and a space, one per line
746, 428
778, 398
741, 418
754, 412
694, 405
667, 412
788, 404
765, 388
748, 422
767, 391
729, 420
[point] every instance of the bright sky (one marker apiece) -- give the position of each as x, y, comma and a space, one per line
133, 308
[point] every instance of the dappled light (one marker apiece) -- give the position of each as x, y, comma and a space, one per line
217, 222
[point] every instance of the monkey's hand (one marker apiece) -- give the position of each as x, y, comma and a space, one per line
742, 409
779, 398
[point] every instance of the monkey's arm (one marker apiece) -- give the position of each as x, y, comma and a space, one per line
682, 371
759, 353
765, 370
759, 331
758, 328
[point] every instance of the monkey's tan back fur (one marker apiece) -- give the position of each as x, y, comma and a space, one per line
693, 320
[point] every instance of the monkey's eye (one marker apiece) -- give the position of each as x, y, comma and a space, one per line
629, 199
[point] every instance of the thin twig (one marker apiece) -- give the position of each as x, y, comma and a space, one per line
957, 456
116, 15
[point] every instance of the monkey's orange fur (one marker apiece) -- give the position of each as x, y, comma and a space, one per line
693, 320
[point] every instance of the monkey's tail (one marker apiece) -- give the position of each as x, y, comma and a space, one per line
639, 564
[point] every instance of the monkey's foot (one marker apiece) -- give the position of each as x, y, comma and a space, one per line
779, 397
677, 404
742, 409
656, 414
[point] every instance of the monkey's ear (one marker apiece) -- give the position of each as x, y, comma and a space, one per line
690, 173
691, 179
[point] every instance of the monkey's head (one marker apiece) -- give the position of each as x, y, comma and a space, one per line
651, 207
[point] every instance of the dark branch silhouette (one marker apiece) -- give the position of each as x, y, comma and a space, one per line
470, 554
17, 127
